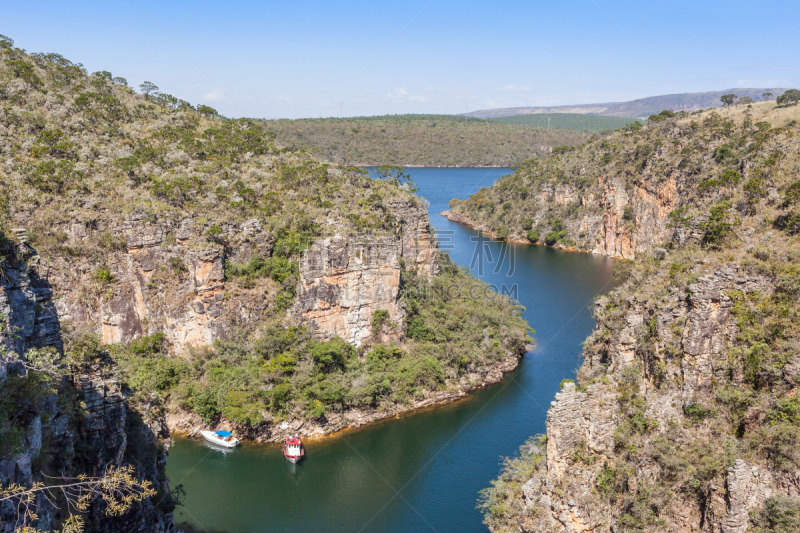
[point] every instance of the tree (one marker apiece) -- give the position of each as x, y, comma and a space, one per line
744, 100
120, 81
147, 88
165, 101
395, 174
717, 227
104, 74
790, 97
128, 165
6, 42
728, 99
206, 110
767, 96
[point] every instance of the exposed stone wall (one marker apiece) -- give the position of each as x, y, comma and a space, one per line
343, 282
346, 278
581, 426
193, 307
26, 306
419, 249
169, 278
99, 431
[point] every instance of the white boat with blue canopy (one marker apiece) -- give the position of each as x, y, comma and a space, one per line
220, 438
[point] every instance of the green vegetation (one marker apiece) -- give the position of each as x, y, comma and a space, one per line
780, 515
407, 117
110, 153
790, 97
502, 503
285, 372
23, 397
567, 121
420, 140
734, 216
715, 196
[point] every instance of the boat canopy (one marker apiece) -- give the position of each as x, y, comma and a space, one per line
223, 433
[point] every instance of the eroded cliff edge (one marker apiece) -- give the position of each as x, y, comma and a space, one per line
197, 268
683, 415
76, 423
618, 194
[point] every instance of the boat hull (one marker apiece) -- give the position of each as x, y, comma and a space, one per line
293, 449
213, 439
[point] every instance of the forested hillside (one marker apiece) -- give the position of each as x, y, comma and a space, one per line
683, 416
420, 140
567, 121
153, 274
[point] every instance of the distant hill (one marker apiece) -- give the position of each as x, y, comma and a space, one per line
412, 117
423, 140
566, 121
640, 108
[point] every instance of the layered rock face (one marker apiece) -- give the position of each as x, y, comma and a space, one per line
81, 428
169, 278
418, 247
343, 283
652, 200
26, 305
585, 427
345, 279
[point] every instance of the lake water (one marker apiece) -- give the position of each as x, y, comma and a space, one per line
422, 472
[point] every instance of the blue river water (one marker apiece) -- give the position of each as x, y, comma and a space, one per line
422, 472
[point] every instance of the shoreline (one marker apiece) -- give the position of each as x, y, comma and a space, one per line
466, 221
340, 424
435, 166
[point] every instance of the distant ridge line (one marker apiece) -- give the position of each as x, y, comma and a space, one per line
638, 108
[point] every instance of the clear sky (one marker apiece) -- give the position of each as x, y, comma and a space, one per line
366, 57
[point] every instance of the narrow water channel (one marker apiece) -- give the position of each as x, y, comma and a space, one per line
422, 472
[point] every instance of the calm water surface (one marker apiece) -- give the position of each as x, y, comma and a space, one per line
422, 472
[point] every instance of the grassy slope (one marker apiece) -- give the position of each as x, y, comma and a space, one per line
79, 147
410, 140
751, 410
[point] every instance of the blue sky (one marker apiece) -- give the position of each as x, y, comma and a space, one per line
312, 59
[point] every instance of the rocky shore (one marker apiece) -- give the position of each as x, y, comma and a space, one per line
187, 423
483, 228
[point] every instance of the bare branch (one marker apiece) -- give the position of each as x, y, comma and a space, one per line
118, 487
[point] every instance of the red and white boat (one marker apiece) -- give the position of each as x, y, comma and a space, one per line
293, 449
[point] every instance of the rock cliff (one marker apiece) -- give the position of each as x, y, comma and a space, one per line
236, 280
680, 419
164, 276
79, 426
615, 194
345, 279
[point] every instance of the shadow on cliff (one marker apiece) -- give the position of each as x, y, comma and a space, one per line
30, 301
